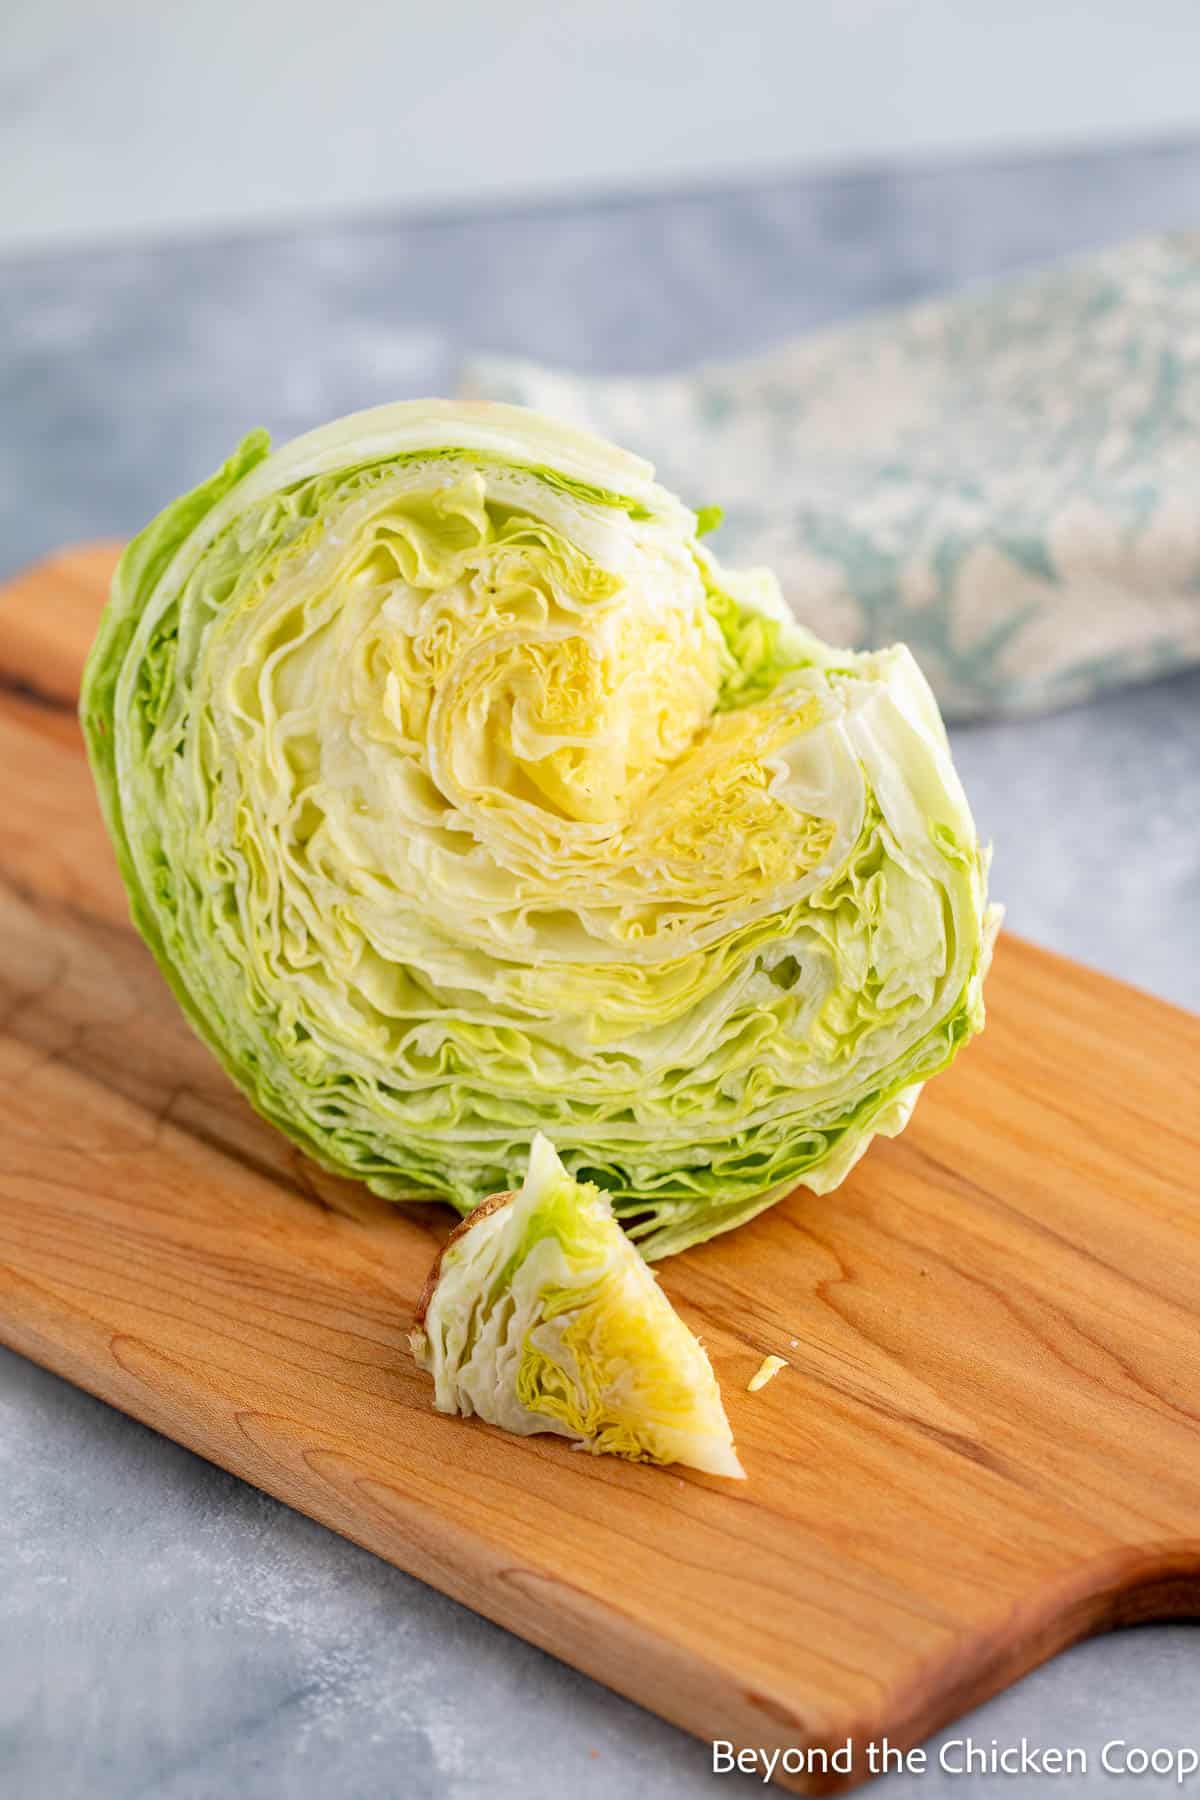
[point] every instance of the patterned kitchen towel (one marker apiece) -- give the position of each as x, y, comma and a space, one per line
1008, 480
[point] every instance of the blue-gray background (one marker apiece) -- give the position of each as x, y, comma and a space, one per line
165, 1630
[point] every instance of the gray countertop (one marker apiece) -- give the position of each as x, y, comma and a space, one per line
167, 1631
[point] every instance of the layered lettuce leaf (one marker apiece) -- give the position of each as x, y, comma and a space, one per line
539, 1315
461, 795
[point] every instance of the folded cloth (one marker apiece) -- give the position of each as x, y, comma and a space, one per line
1008, 480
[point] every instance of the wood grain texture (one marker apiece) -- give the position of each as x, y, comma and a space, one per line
987, 1443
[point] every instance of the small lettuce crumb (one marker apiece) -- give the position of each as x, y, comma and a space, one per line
766, 1371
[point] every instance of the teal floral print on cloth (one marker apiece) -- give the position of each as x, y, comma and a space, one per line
1008, 480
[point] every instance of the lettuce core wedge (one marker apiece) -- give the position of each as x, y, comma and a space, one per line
461, 794
539, 1315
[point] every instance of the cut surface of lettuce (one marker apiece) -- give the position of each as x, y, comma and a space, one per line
461, 794
540, 1315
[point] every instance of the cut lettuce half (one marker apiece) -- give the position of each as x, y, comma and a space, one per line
461, 794
539, 1315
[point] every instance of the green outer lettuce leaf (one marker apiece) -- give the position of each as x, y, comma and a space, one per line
461, 794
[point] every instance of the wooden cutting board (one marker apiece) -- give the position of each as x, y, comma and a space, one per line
987, 1443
